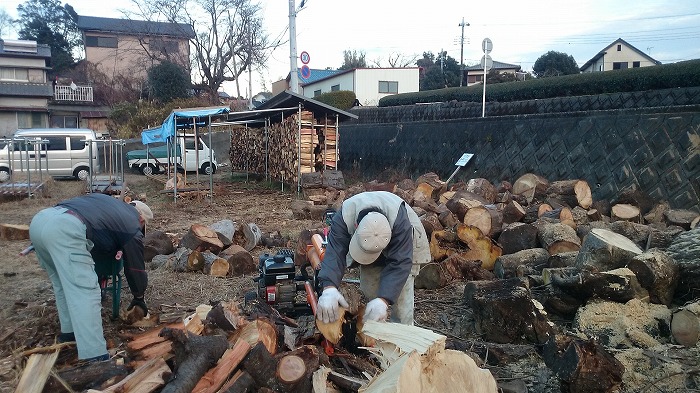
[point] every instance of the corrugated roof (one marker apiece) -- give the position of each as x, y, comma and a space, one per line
315, 75
287, 103
130, 26
42, 50
497, 65
26, 89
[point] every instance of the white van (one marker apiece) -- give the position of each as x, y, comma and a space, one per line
62, 152
197, 157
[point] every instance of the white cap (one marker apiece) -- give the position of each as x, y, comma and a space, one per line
143, 210
370, 238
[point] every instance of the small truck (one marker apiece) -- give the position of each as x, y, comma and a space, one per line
188, 154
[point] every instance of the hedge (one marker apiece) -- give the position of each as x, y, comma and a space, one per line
681, 74
341, 99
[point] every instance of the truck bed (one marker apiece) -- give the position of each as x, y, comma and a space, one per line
157, 152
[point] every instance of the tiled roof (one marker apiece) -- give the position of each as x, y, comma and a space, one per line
26, 89
42, 50
129, 26
497, 65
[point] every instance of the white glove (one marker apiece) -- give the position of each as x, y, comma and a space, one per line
376, 310
328, 305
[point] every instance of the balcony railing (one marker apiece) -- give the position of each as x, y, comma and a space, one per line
72, 93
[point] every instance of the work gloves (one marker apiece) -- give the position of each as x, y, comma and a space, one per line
138, 302
376, 310
329, 305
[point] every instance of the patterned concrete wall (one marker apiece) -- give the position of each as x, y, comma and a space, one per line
654, 149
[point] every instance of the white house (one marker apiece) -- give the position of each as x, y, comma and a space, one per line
369, 84
618, 56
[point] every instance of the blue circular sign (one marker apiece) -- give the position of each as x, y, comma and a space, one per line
305, 72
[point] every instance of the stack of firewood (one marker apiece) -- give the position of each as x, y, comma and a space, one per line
294, 145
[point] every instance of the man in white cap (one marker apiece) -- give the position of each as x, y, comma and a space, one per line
384, 235
68, 238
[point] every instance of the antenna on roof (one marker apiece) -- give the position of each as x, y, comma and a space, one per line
649, 48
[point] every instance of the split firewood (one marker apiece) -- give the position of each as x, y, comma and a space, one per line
685, 325
504, 312
201, 238
188, 260
305, 330
583, 366
657, 272
513, 212
225, 228
481, 248
227, 315
217, 376
427, 205
530, 186
573, 192
345, 382
85, 376
521, 263
194, 355
605, 250
241, 382
261, 330
239, 260
619, 285
36, 372
487, 218
145, 379
151, 345
626, 212
14, 232
332, 331
518, 236
215, 265
685, 250
680, 217
483, 188
558, 238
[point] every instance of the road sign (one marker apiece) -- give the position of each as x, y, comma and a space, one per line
305, 71
486, 62
305, 58
487, 45
464, 159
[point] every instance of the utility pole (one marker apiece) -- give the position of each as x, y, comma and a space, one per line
293, 75
461, 54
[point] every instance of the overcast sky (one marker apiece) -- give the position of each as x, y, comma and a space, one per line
667, 30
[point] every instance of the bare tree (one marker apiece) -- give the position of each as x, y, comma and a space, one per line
396, 60
6, 25
229, 37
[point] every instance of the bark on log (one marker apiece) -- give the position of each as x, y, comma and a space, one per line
558, 238
657, 272
626, 212
443, 244
431, 223
462, 201
201, 238
605, 250
436, 275
636, 198
685, 325
504, 312
194, 355
289, 372
241, 382
216, 376
656, 214
215, 265
573, 192
619, 285
638, 233
14, 232
561, 214
513, 212
448, 219
680, 217
564, 259
685, 250
146, 378
429, 187
156, 243
487, 218
483, 188
517, 237
530, 186
261, 330
583, 366
521, 263
92, 375
188, 260
481, 248
227, 316
240, 261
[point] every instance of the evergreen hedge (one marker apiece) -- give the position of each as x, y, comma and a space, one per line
341, 99
681, 74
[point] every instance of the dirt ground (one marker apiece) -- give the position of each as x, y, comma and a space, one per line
28, 317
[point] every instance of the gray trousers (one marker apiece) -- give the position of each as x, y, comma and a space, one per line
64, 252
402, 310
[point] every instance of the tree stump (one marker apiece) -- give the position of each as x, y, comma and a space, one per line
657, 272
605, 250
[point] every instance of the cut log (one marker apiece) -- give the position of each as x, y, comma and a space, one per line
638, 233
150, 344
680, 217
227, 316
227, 228
194, 355
561, 214
513, 212
448, 219
605, 250
619, 285
375, 185
558, 238
239, 260
241, 382
530, 186
656, 214
145, 379
215, 265
583, 366
252, 235
91, 375
14, 232
685, 325
521, 263
657, 272
289, 372
429, 187
443, 244
431, 223
518, 236
487, 218
188, 260
216, 377
636, 198
201, 238
156, 243
564, 259
483, 188
436, 275
504, 312
481, 248
625, 212
36, 372
261, 330
462, 201
306, 210
573, 192
685, 250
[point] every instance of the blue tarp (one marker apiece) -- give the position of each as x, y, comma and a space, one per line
167, 130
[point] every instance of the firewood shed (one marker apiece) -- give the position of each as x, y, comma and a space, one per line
285, 137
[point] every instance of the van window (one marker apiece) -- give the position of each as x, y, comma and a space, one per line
55, 142
189, 144
77, 143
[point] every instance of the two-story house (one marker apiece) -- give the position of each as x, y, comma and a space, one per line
475, 74
618, 56
368, 84
127, 48
24, 88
